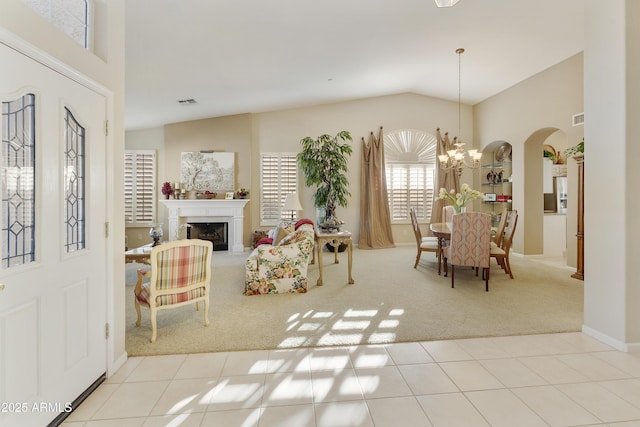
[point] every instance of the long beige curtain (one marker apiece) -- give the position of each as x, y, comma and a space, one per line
375, 218
447, 179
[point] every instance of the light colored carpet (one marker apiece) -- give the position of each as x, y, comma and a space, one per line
389, 302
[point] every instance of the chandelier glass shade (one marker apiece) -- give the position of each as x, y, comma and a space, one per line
458, 158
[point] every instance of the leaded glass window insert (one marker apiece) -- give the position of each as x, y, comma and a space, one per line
18, 181
74, 184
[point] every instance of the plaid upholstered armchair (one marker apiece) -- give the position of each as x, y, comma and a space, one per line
180, 275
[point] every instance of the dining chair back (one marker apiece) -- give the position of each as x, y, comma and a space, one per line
447, 213
470, 243
425, 244
497, 238
180, 275
501, 254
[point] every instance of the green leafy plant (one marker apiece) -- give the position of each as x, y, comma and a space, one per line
324, 163
575, 150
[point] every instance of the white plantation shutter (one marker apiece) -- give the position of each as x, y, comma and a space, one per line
139, 187
410, 167
279, 177
410, 186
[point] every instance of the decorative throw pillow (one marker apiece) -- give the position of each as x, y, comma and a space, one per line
282, 231
264, 241
303, 221
295, 237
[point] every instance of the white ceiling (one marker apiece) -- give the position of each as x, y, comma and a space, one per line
249, 56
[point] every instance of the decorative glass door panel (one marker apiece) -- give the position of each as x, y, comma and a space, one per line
18, 181
74, 184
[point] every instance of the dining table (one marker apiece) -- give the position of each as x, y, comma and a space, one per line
442, 231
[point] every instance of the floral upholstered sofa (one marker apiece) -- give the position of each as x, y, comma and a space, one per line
281, 267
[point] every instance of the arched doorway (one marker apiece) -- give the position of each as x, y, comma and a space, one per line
533, 221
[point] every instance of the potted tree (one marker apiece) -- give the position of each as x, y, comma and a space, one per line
324, 163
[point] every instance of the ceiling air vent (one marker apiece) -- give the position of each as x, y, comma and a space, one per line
577, 119
187, 101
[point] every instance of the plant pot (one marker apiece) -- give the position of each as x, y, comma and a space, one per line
341, 247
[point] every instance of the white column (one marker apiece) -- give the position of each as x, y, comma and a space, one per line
612, 150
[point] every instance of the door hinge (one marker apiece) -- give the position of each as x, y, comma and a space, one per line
106, 127
106, 331
106, 229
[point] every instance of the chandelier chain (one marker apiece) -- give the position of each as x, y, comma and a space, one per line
458, 158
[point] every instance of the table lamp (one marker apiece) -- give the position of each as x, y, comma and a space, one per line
291, 203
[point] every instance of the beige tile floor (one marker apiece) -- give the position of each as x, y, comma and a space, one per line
565, 379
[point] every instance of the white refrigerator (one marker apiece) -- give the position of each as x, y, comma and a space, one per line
560, 192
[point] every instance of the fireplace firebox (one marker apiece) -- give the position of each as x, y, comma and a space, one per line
216, 232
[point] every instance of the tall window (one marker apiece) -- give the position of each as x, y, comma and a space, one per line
139, 187
279, 175
17, 169
73, 17
410, 157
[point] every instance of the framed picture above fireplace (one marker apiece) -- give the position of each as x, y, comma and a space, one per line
205, 170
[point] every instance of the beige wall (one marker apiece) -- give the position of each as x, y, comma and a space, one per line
525, 116
249, 135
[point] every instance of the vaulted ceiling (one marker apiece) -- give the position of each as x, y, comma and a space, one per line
249, 56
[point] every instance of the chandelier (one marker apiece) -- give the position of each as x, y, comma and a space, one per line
458, 158
446, 3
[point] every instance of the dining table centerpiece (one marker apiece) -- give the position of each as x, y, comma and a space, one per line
460, 200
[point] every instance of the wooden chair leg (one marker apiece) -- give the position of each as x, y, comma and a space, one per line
154, 326
136, 291
138, 312
486, 272
508, 267
206, 311
417, 258
452, 273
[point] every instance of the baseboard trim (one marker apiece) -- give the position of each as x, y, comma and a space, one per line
617, 344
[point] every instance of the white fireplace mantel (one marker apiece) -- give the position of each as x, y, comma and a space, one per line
209, 210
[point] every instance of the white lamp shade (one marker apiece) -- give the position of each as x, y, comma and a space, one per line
291, 203
446, 3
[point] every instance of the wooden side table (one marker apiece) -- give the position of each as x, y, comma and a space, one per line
335, 238
140, 255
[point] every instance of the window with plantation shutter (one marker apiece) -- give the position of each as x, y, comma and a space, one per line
279, 177
410, 158
139, 187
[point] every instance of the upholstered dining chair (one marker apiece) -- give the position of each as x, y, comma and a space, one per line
447, 213
470, 244
501, 254
180, 275
425, 244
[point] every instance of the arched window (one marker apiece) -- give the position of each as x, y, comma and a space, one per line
410, 157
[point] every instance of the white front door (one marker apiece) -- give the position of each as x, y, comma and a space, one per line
52, 233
